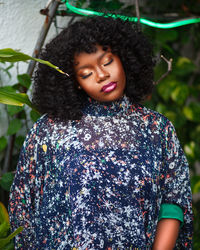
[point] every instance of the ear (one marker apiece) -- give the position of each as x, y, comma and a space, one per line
79, 87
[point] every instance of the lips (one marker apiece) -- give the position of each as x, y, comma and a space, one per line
109, 87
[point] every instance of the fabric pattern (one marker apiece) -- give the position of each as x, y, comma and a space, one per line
98, 183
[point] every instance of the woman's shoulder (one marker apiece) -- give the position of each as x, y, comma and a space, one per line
149, 115
48, 124
41, 125
50, 131
45, 128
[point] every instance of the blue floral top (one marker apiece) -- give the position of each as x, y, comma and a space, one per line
99, 182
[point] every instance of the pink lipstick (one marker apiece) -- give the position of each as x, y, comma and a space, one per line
109, 87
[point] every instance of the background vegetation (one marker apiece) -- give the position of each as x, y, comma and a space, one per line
177, 96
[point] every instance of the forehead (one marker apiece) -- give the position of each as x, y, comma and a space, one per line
85, 58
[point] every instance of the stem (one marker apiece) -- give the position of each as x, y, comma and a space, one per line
138, 14
8, 155
169, 69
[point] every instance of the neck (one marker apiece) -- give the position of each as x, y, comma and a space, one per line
112, 108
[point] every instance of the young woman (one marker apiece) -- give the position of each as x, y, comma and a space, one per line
98, 170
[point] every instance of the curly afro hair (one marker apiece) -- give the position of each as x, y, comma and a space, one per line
58, 95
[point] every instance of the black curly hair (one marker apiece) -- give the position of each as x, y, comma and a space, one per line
58, 95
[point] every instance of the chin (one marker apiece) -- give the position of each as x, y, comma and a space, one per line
114, 97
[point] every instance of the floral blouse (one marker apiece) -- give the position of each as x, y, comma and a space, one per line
99, 182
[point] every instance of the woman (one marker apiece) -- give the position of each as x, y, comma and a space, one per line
98, 170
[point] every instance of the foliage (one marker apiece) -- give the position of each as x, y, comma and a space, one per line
10, 55
9, 96
5, 236
18, 118
177, 96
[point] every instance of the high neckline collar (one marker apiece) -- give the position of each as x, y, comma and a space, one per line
97, 108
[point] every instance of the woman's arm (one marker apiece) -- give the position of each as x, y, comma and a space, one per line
166, 234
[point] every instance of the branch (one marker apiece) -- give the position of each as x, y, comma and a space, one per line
137, 10
169, 69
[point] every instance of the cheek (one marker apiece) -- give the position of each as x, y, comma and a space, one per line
88, 85
121, 74
118, 70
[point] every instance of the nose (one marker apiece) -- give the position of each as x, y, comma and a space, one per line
101, 75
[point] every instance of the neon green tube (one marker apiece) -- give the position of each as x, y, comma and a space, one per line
175, 24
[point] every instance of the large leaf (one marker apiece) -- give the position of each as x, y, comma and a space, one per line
166, 87
195, 184
196, 188
24, 80
34, 115
10, 55
3, 143
184, 66
180, 94
164, 36
192, 111
14, 126
3, 213
12, 110
8, 96
19, 141
189, 149
5, 241
6, 181
9, 246
195, 134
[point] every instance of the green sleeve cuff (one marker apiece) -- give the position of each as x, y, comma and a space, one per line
171, 211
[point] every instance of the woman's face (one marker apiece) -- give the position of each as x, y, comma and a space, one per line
100, 74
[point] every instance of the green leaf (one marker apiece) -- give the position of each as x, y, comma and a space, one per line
6, 181
3, 143
10, 55
184, 66
180, 94
34, 115
171, 115
168, 48
166, 35
195, 134
24, 80
8, 96
166, 87
12, 110
4, 227
192, 111
4, 242
50, 65
161, 108
189, 149
19, 141
196, 188
14, 126
195, 180
3, 213
8, 88
9, 246
176, 117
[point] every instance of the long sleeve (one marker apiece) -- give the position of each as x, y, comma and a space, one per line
175, 183
99, 183
21, 204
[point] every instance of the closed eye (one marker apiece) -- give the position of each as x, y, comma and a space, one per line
86, 76
111, 60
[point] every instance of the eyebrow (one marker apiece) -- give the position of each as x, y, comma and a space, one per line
88, 65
